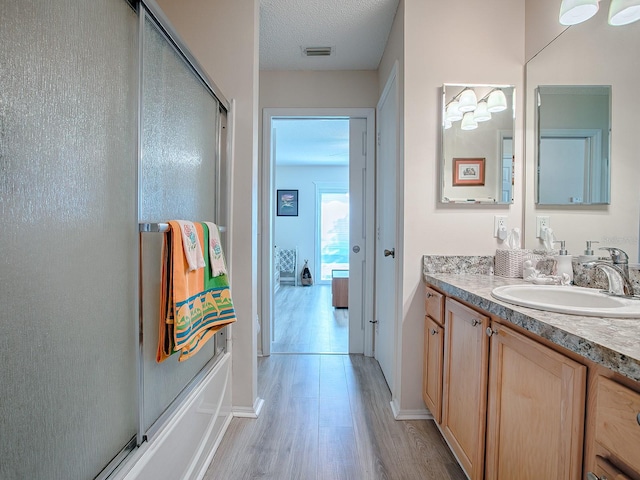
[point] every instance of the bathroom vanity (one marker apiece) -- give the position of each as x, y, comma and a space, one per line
524, 393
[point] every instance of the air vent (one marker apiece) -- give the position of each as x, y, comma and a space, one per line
317, 51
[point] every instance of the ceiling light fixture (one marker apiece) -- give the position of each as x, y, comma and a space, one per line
624, 12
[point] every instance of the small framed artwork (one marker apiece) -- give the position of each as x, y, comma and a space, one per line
468, 171
287, 203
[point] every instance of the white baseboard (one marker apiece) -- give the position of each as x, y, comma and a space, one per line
249, 412
400, 414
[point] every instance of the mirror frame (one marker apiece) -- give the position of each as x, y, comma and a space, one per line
444, 167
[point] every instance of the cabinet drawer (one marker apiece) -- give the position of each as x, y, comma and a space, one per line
605, 471
434, 304
617, 421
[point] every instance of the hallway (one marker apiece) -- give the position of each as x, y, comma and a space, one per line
305, 321
328, 417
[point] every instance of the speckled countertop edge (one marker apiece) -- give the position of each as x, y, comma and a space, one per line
612, 343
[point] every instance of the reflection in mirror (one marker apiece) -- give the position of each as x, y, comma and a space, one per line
592, 53
477, 144
573, 144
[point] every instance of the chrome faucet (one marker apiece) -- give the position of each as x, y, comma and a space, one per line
617, 272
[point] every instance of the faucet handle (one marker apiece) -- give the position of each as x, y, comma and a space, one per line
617, 255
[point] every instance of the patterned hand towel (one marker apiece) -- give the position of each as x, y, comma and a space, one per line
191, 244
194, 305
216, 257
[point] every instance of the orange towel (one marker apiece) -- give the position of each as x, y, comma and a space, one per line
194, 305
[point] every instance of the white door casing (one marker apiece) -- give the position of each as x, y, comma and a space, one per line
360, 329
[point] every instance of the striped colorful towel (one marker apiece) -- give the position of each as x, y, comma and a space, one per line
194, 304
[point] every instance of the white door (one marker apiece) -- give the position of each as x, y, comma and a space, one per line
563, 167
357, 231
385, 278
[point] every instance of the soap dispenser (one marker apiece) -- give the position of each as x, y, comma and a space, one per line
588, 256
563, 262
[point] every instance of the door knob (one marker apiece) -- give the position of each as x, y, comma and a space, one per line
390, 253
356, 248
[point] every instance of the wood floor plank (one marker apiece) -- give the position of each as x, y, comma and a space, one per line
305, 321
321, 433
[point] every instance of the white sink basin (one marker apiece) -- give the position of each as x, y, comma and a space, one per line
564, 299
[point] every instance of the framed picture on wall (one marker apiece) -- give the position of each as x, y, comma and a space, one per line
287, 203
468, 171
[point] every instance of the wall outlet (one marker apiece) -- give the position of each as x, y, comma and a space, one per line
499, 222
541, 223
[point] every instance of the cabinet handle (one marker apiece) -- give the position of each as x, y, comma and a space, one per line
429, 294
475, 322
490, 331
593, 476
433, 331
638, 418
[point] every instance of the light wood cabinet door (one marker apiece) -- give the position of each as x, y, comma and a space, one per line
535, 418
464, 398
432, 367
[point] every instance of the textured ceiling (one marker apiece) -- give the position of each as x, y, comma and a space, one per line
357, 30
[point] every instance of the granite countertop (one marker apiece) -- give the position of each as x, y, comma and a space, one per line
611, 342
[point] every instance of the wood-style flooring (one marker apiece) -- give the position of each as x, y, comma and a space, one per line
328, 417
305, 321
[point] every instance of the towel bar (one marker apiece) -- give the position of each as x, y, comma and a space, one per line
162, 227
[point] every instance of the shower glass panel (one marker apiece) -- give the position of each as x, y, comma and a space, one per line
69, 241
178, 178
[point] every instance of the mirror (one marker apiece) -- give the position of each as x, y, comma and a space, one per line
477, 144
591, 53
573, 144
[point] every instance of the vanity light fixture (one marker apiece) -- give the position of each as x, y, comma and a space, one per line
468, 122
624, 12
468, 101
497, 101
481, 113
453, 113
573, 12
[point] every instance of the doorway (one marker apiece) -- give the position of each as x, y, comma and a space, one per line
351, 236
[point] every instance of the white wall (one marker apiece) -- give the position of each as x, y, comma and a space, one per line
340, 89
223, 36
442, 46
300, 231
